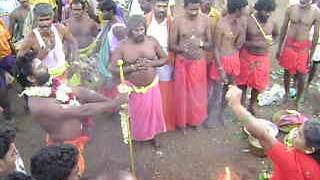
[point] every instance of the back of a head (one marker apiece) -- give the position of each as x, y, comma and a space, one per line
108, 5
234, 5
7, 136
43, 9
265, 5
24, 67
311, 131
17, 176
187, 2
54, 162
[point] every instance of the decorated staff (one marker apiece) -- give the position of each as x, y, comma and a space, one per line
123, 88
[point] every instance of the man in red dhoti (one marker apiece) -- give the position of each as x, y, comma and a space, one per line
142, 55
293, 55
254, 56
190, 39
229, 37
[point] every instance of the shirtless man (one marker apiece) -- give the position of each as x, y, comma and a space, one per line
17, 18
254, 56
229, 37
141, 55
315, 57
47, 41
190, 40
80, 25
61, 119
85, 30
293, 55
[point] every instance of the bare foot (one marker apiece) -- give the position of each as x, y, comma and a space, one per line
197, 128
156, 143
183, 130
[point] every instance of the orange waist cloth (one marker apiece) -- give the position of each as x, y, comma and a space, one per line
295, 56
230, 65
80, 144
5, 48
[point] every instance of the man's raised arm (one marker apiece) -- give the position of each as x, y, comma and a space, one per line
254, 125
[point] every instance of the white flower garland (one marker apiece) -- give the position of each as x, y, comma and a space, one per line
44, 91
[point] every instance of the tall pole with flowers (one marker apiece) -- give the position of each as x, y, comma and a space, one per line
123, 88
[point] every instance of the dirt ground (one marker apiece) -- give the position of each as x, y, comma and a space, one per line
195, 156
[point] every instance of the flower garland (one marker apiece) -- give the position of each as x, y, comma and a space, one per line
55, 89
124, 114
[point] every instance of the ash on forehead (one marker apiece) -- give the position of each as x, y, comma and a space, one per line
43, 9
135, 21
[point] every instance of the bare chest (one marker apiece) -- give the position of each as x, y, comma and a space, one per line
80, 29
254, 30
132, 52
188, 29
302, 17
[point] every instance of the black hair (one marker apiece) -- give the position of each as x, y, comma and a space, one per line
108, 5
156, 1
311, 131
234, 5
17, 176
43, 9
24, 68
54, 162
187, 2
7, 136
266, 5
83, 3
134, 21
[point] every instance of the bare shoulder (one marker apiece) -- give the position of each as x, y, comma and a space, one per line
151, 39
122, 45
60, 27
14, 13
66, 22
205, 18
221, 23
178, 19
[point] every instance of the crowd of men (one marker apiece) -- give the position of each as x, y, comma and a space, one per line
181, 67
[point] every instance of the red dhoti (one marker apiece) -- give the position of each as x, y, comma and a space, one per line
295, 56
80, 144
254, 70
166, 89
230, 65
190, 91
